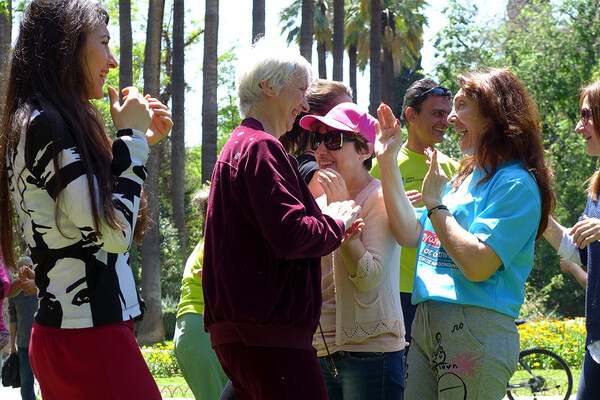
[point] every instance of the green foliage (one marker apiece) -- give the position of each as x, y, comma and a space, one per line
554, 48
193, 183
228, 115
171, 257
536, 299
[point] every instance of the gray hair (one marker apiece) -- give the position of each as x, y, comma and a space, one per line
22, 260
268, 61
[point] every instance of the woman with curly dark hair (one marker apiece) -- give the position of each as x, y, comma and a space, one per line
77, 194
475, 238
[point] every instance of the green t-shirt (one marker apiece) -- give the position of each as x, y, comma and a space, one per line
413, 167
192, 297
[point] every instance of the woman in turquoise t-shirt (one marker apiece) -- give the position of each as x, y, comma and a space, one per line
475, 238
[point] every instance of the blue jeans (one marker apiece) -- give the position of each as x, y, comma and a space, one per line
365, 375
27, 380
408, 312
589, 381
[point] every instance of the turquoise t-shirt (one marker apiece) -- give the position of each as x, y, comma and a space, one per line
504, 213
413, 167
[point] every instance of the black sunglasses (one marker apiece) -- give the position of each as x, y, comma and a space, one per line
333, 140
437, 91
585, 116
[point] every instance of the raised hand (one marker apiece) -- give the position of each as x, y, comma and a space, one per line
134, 113
435, 182
585, 231
161, 121
333, 184
389, 134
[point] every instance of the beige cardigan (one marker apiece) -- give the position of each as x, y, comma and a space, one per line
363, 312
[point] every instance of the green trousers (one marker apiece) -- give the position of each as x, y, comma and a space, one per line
197, 360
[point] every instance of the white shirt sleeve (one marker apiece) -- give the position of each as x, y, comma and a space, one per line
594, 349
569, 250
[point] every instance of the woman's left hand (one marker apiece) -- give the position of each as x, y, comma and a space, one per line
161, 121
585, 231
435, 182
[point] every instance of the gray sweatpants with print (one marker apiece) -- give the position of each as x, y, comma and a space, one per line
460, 353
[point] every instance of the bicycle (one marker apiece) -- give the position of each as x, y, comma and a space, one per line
540, 372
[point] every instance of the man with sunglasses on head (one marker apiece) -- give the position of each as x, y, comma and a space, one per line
425, 115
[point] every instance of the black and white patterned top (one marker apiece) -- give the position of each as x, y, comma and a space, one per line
83, 279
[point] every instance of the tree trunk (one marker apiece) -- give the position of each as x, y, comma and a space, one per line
151, 329
258, 19
322, 59
338, 40
353, 64
388, 90
5, 43
388, 77
375, 59
209, 89
126, 46
306, 29
178, 132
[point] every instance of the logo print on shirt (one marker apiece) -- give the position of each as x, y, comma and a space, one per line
433, 253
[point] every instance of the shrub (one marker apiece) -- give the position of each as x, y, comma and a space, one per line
161, 360
565, 337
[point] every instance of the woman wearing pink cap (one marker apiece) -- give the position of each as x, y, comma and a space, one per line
360, 342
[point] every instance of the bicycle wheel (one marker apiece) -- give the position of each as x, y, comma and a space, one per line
540, 373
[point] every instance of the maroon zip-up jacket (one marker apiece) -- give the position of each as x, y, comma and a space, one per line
264, 238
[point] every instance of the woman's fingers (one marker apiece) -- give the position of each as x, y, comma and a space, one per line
333, 184
585, 231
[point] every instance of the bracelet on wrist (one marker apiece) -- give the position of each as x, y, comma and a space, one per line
436, 209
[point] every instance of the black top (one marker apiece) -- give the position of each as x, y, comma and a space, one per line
590, 256
307, 164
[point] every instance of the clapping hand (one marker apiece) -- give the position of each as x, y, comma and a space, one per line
26, 276
333, 184
435, 182
389, 134
135, 111
161, 121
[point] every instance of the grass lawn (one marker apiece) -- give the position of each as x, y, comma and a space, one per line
550, 376
177, 387
174, 386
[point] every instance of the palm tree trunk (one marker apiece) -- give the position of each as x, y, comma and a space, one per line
353, 63
322, 57
5, 43
258, 18
375, 59
126, 46
388, 88
178, 133
151, 328
338, 40
306, 29
209, 89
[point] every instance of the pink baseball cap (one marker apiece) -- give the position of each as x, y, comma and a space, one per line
346, 117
